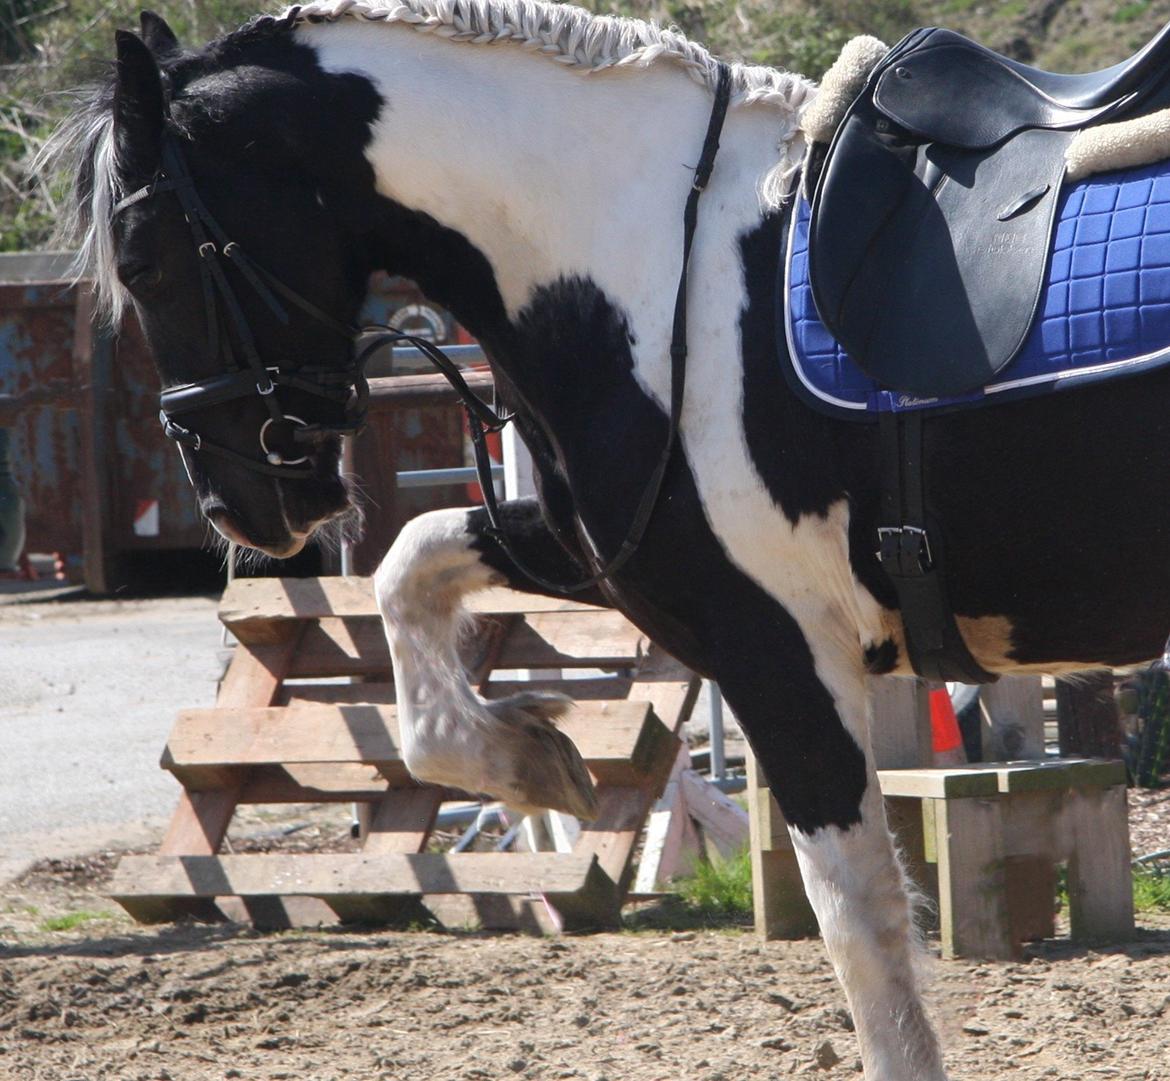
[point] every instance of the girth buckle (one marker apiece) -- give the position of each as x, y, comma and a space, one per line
904, 551
207, 249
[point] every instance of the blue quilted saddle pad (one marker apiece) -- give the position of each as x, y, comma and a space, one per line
1104, 311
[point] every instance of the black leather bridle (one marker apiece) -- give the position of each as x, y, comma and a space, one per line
348, 387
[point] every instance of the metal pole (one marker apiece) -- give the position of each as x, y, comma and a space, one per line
715, 730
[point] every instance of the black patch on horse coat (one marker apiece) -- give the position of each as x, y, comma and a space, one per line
574, 360
791, 447
881, 658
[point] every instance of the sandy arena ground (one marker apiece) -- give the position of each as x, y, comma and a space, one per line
86, 995
107, 1000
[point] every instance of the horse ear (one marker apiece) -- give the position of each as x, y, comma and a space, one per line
160, 39
139, 107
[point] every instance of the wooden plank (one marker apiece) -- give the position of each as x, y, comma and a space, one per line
782, 910
402, 821
668, 685
1100, 882
900, 733
611, 688
954, 783
622, 743
255, 608
335, 782
366, 693
973, 912
1060, 774
1013, 719
587, 638
379, 693
337, 647
671, 843
723, 821
354, 873
253, 678
611, 837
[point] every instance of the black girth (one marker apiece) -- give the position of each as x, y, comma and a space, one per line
348, 386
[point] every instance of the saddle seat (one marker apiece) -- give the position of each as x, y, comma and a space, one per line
945, 87
932, 208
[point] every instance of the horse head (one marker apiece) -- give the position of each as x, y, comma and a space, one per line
220, 189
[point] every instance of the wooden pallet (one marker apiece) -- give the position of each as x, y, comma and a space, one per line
280, 733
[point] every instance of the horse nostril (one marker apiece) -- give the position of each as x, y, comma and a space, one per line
217, 514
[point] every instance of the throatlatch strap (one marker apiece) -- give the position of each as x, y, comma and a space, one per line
911, 554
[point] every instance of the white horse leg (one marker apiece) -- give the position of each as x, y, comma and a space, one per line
509, 749
859, 893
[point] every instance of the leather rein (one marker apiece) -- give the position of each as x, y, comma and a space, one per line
349, 387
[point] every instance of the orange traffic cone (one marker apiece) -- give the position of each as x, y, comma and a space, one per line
946, 739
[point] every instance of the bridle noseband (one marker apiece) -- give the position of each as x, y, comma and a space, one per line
348, 387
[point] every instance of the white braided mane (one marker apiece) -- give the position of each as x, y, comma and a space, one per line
570, 36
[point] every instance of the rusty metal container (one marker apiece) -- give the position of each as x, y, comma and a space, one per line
101, 483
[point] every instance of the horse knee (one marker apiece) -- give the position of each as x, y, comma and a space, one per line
431, 565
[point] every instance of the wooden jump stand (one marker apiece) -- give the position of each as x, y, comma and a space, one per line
280, 734
984, 841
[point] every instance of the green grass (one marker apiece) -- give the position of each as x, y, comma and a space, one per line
1128, 13
716, 895
720, 887
1151, 891
73, 919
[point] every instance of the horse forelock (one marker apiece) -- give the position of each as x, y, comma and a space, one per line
83, 151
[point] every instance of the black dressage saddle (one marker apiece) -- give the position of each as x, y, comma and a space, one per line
932, 208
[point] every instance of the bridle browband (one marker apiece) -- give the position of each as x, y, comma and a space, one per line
349, 387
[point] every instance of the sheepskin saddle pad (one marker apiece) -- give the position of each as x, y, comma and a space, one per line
972, 230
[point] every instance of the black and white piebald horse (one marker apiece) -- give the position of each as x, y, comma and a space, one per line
528, 164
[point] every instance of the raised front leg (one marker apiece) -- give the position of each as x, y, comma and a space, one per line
808, 727
509, 749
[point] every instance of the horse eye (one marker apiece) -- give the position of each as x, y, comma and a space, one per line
140, 275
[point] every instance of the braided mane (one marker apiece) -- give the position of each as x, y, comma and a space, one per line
568, 35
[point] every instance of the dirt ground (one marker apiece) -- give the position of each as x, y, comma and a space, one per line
87, 995
105, 999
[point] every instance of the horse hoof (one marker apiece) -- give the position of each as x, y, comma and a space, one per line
546, 769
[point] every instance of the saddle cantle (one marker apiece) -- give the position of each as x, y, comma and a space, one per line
934, 205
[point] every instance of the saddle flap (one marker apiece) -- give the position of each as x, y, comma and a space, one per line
927, 261
944, 91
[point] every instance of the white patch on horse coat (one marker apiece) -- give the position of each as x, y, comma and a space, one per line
506, 161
